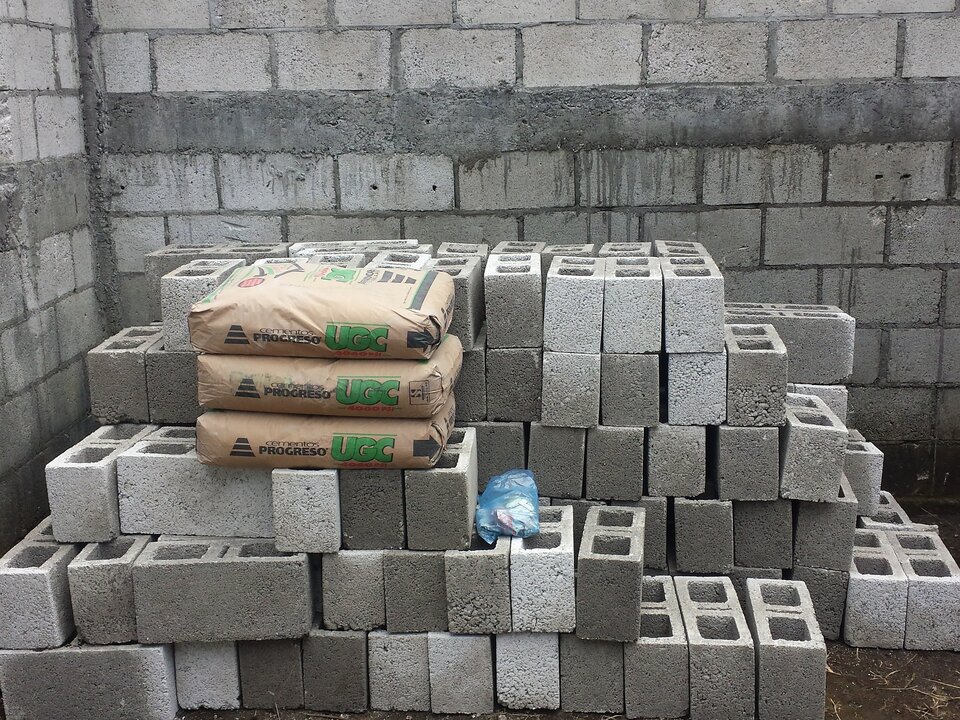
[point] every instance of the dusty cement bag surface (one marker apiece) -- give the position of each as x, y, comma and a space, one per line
267, 440
302, 310
343, 387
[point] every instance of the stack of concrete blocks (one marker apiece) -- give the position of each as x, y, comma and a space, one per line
890, 516
876, 607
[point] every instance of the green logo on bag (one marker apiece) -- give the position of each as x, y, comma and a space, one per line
357, 338
351, 391
360, 448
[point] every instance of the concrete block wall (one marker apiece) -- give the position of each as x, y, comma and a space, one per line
49, 310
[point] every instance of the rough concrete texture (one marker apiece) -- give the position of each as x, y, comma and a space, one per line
468, 306
478, 588
220, 583
655, 530
335, 671
441, 502
892, 517
748, 463
514, 380
828, 591
632, 304
571, 389
763, 534
353, 590
306, 510
556, 457
574, 305
208, 675
501, 447
615, 458
756, 376
172, 386
542, 589
791, 654
271, 674
117, 375
823, 532
863, 468
180, 289
676, 461
630, 390
692, 305
835, 396
470, 389
812, 447
415, 591
82, 492
457, 249
740, 575
513, 295
528, 671
461, 673
696, 388
877, 593
101, 590
656, 667
127, 682
371, 509
399, 671
703, 536
591, 675
35, 596
580, 510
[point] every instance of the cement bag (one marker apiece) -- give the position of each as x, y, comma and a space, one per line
265, 440
294, 310
345, 387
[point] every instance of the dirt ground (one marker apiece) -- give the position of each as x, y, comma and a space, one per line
861, 684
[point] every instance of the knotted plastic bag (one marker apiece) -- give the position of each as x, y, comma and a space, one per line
510, 505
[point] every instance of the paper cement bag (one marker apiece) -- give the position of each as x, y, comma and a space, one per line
344, 387
266, 440
304, 310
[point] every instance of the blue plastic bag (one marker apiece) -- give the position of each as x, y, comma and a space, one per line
510, 505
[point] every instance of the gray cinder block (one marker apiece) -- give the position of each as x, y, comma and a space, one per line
124, 682
306, 510
676, 461
876, 614
468, 307
550, 252
371, 509
703, 535
722, 662
412, 260
863, 466
625, 249
117, 375
126, 434
213, 591
478, 588
187, 435
455, 249
812, 448
692, 305
470, 389
748, 463
591, 675
335, 671
790, 651
573, 305
632, 305
271, 674
739, 576
352, 582
679, 249
167, 259
441, 502
580, 509
655, 529
823, 532
399, 671
101, 590
555, 456
501, 446
835, 396
756, 376
82, 490
630, 390
610, 575
528, 671
164, 488
656, 667
415, 591
892, 517
180, 289
208, 675
763, 534
615, 463
514, 382
933, 599
172, 385
35, 611
513, 295
518, 247
818, 338
542, 589
828, 591
696, 388
461, 673
571, 389
337, 259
